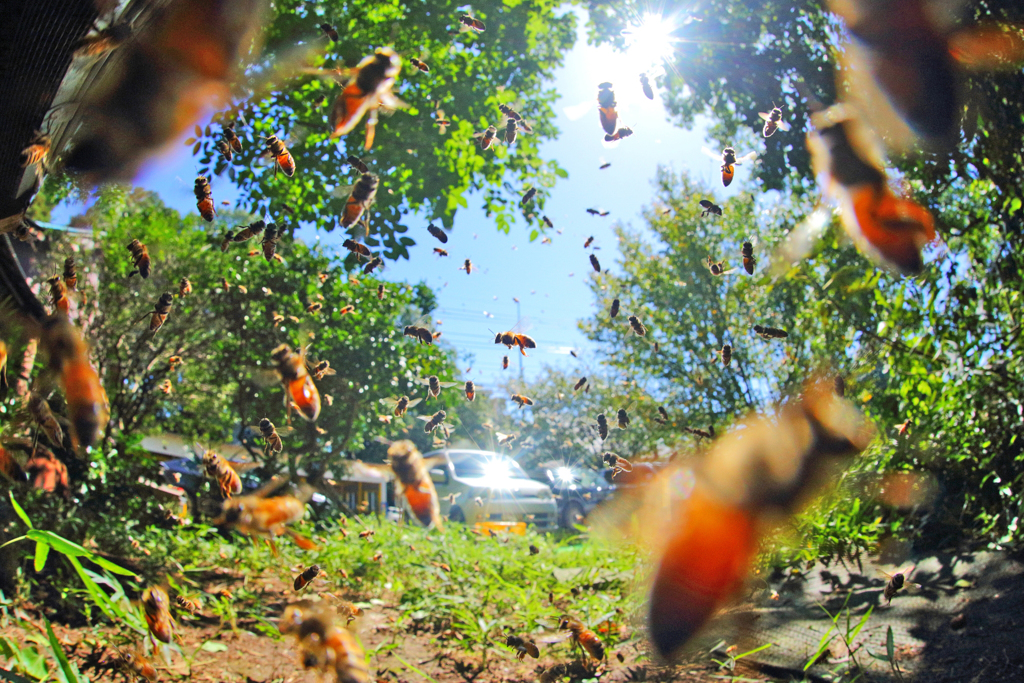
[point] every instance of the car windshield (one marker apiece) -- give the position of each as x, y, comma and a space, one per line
579, 476
497, 468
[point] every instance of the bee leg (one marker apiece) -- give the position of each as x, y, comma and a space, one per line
371, 129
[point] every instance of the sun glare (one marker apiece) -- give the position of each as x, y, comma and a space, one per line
650, 41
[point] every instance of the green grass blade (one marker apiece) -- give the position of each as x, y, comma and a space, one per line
97, 594
414, 668
754, 651
111, 567
863, 622
890, 645
59, 543
19, 511
42, 550
70, 674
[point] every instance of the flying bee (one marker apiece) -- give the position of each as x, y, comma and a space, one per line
638, 327
204, 199
380, 292
582, 636
371, 265
357, 248
470, 390
528, 196
323, 369
773, 121
725, 354
269, 242
266, 517
510, 339
69, 359
357, 163
363, 194
614, 311
748, 258
897, 582
412, 473
620, 134
221, 471
700, 433
468, 266
602, 426
710, 208
367, 91
579, 384
522, 646
441, 252
606, 107
718, 269
645, 83
70, 274
470, 23
521, 400
598, 212
729, 162
140, 258
486, 138
434, 385
421, 65
271, 439
434, 421
41, 414
314, 307
37, 150
401, 405
298, 385
511, 131
504, 362
225, 150
166, 387
421, 334
662, 416
303, 579
157, 607
618, 464
330, 32
184, 287
505, 439
160, 312
191, 606
137, 666
770, 332
441, 121
437, 232
231, 137
622, 416
902, 428
248, 232
595, 263
282, 157
58, 294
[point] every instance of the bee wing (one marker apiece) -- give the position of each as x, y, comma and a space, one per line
242, 467
717, 156
801, 240
764, 115
449, 384
576, 112
342, 191
784, 126
391, 402
746, 158
415, 402
425, 418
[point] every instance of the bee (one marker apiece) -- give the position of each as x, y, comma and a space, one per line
221, 471
434, 385
645, 83
530, 194
190, 606
248, 232
422, 66
618, 464
4, 386
37, 150
504, 362
69, 359
700, 433
225, 150
510, 339
271, 438
434, 421
357, 163
366, 91
380, 292
606, 164
622, 416
371, 266
138, 666
717, 268
441, 252
401, 405
770, 332
416, 485
582, 636
256, 515
521, 400
40, 411
748, 258
230, 137
579, 384
357, 248
70, 274
606, 107
588, 242
890, 229
365, 535
662, 416
303, 579
470, 390
839, 386
555, 673
897, 582
773, 121
204, 199
729, 162
422, 334
157, 607
282, 157
269, 242
166, 387
505, 439
902, 428
472, 23
324, 645
58, 294
314, 307
602, 426
595, 263
614, 311
184, 287
104, 41
486, 138
330, 32
522, 646
598, 212
620, 134
725, 354
299, 387
323, 369
140, 258
468, 266
637, 326
363, 194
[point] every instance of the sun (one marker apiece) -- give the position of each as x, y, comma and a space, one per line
651, 40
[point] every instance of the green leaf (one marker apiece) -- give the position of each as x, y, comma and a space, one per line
59, 543
213, 646
19, 511
890, 645
70, 674
42, 550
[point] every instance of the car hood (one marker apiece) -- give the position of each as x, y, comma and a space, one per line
522, 487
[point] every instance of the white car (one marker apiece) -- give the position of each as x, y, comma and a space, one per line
490, 488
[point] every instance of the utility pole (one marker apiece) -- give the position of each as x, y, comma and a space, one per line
519, 317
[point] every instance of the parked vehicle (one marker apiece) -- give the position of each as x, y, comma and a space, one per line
488, 487
578, 490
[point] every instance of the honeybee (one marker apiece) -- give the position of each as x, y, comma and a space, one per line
618, 464
401, 405
225, 150
441, 252
486, 138
248, 232
606, 107
521, 400
662, 416
529, 195
266, 517
770, 332
204, 199
140, 257
422, 66
598, 212
357, 248
434, 421
748, 258
729, 162
104, 41
645, 83
416, 485
324, 645
371, 266
622, 416
710, 208
40, 411
579, 384
323, 369
522, 646
422, 334
582, 636
380, 292
773, 121
303, 579
468, 266
890, 229
314, 307
595, 263
471, 23
271, 438
363, 193
441, 121
602, 426
505, 439
504, 362
437, 232
298, 385
221, 471
637, 326
58, 294
69, 358
718, 269
283, 159
70, 274
330, 32
37, 150
725, 354
620, 134
588, 242
897, 582
700, 433
366, 91
470, 390
269, 242
510, 339
166, 387
184, 287
138, 666
230, 137
157, 607
614, 311
191, 606
434, 385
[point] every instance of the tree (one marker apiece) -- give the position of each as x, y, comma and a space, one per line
421, 171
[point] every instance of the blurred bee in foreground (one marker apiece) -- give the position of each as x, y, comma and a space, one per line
890, 229
140, 257
367, 91
522, 646
582, 636
324, 645
606, 107
266, 517
620, 134
729, 162
137, 666
769, 333
157, 608
773, 121
68, 358
303, 579
204, 199
416, 485
618, 464
422, 66
298, 385
363, 194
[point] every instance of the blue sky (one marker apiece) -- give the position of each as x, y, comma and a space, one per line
550, 280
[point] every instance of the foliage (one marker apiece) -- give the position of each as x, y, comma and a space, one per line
421, 172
